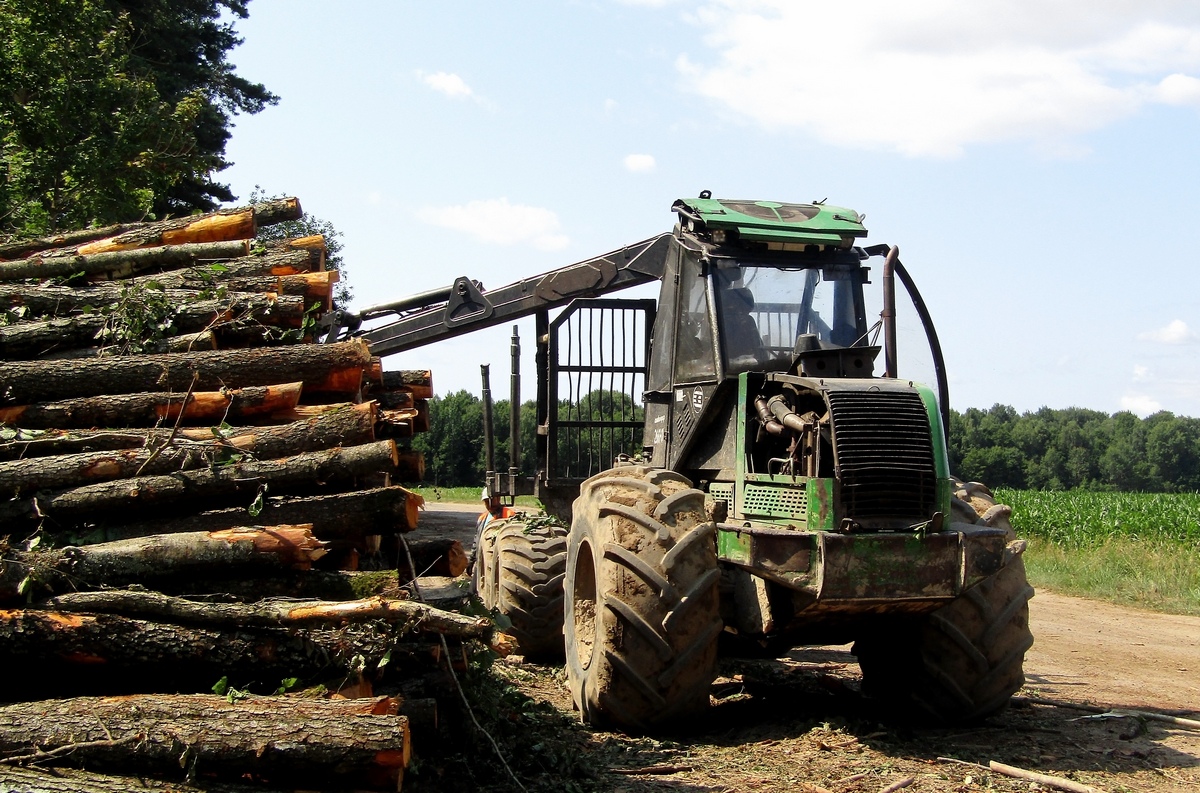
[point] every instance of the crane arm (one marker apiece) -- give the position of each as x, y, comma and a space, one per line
465, 306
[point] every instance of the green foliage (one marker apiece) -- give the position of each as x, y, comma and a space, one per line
453, 447
114, 111
304, 227
139, 321
1076, 449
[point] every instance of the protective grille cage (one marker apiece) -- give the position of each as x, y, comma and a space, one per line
600, 350
884, 454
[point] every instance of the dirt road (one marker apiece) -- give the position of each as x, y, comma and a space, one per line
800, 723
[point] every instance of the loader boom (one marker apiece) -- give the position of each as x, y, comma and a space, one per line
466, 307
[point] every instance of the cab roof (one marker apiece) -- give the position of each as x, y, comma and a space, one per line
774, 222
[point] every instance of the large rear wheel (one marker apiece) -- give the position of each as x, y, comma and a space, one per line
641, 599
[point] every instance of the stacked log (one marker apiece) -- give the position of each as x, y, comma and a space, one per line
189, 487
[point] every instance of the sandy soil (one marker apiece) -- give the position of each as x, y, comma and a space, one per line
799, 722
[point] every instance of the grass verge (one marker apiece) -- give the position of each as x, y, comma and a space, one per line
1135, 549
462, 495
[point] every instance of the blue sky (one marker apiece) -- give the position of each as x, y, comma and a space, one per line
1036, 162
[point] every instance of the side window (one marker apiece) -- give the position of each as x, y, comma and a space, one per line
693, 342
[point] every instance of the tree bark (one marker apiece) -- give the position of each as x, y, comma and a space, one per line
280, 263
383, 510
418, 382
188, 342
203, 407
142, 560
46, 301
26, 340
34, 381
37, 779
265, 214
224, 226
349, 427
237, 481
343, 425
118, 264
281, 739
272, 613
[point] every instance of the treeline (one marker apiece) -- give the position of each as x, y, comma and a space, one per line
1076, 448
453, 447
1045, 449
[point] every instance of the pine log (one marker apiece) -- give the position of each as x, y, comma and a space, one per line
199, 449
343, 425
119, 264
394, 423
35, 779
384, 510
418, 382
188, 342
264, 214
202, 407
281, 739
240, 481
34, 381
410, 467
26, 340
236, 551
233, 224
441, 556
272, 613
280, 263
71, 654
48, 301
401, 399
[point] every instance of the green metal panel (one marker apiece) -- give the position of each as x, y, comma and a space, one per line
822, 508
940, 457
733, 546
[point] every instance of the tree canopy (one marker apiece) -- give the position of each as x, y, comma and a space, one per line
116, 110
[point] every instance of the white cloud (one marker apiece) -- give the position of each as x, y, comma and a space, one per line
1174, 332
639, 163
610, 105
1141, 373
498, 222
1140, 404
446, 83
928, 78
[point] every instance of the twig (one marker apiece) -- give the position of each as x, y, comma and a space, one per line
1042, 779
963, 762
1191, 724
903, 783
412, 565
174, 430
39, 755
652, 769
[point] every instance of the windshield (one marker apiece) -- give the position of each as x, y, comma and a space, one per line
763, 309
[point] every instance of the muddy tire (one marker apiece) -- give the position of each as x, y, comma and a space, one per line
641, 600
530, 564
483, 561
964, 661
973, 502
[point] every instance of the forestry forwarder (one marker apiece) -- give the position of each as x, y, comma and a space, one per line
779, 492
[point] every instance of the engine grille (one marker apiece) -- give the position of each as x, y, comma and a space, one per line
884, 455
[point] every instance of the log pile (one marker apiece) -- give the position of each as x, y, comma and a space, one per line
200, 507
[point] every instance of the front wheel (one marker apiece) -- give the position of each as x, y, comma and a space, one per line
964, 661
642, 612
